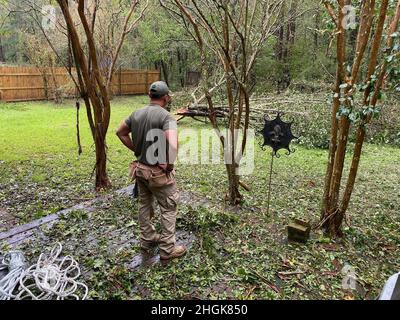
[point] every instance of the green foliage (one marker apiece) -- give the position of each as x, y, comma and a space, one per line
308, 60
160, 43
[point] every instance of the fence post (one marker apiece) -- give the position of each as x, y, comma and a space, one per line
147, 82
120, 81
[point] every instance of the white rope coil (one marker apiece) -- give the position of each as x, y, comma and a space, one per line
51, 278
14, 261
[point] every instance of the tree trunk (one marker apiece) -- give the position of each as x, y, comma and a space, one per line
164, 68
92, 89
333, 211
57, 93
290, 37
2, 56
181, 57
233, 197
102, 181
316, 35
361, 131
285, 43
279, 49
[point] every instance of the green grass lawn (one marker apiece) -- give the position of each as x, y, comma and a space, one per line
238, 254
40, 169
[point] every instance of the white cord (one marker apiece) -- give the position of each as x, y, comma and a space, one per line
50, 278
14, 261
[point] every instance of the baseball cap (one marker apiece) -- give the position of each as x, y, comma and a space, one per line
159, 89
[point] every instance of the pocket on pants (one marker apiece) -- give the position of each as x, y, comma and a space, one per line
132, 170
160, 179
173, 199
143, 173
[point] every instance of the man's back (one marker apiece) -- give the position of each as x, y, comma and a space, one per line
147, 126
151, 128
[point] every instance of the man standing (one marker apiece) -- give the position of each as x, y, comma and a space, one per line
155, 143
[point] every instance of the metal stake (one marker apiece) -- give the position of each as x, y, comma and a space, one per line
270, 181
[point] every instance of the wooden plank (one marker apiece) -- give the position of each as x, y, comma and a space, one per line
22, 88
22, 100
39, 222
18, 238
28, 74
133, 84
29, 226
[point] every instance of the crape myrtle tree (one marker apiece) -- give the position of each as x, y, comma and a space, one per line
93, 81
43, 58
93, 56
3, 19
357, 91
230, 35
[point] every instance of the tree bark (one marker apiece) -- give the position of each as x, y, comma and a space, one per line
92, 89
2, 56
316, 35
333, 212
290, 37
279, 50
361, 131
340, 76
164, 69
286, 37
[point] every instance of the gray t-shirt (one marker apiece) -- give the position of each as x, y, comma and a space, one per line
148, 126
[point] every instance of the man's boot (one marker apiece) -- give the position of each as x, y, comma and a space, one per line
177, 252
150, 245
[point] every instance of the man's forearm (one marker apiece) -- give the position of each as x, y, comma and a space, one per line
127, 141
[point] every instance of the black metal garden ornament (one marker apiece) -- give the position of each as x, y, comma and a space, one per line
277, 135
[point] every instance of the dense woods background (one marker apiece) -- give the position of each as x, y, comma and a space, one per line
299, 51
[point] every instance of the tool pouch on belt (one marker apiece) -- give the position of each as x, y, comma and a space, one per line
132, 170
155, 176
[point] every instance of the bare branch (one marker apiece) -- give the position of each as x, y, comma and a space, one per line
125, 31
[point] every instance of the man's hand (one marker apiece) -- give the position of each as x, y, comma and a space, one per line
167, 167
123, 134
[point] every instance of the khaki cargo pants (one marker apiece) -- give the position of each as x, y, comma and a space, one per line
157, 186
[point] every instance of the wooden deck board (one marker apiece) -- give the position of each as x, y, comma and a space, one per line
20, 233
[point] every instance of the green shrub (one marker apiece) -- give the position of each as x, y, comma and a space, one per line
311, 114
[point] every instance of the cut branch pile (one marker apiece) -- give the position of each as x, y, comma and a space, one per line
260, 107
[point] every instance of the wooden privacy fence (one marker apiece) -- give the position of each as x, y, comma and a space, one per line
30, 83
